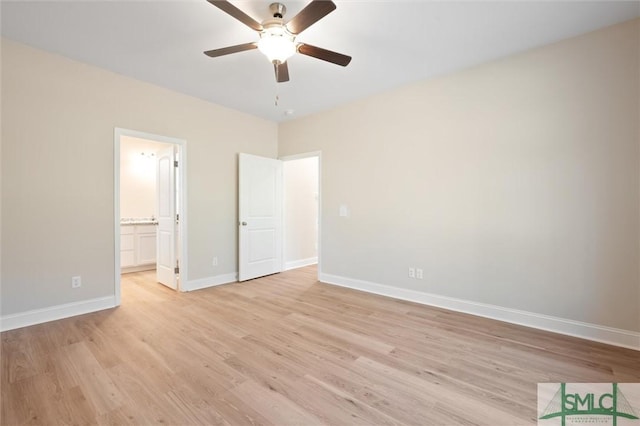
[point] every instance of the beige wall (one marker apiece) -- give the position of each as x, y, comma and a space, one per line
58, 120
300, 210
514, 183
138, 160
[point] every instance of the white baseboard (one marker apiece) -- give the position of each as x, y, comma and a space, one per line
201, 283
300, 263
52, 313
598, 333
140, 268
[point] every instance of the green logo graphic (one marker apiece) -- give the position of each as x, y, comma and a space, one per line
613, 404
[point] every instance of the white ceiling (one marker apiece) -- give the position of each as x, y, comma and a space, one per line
392, 43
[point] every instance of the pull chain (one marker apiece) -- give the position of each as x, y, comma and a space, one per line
277, 100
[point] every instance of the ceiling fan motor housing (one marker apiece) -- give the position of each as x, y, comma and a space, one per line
275, 26
277, 10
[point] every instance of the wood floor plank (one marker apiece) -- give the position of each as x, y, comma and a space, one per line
237, 411
143, 389
375, 392
347, 336
87, 373
433, 391
274, 406
284, 350
358, 412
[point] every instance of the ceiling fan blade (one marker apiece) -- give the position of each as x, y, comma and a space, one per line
231, 49
312, 13
282, 72
324, 54
230, 9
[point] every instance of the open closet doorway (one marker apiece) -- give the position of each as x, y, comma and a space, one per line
301, 182
149, 214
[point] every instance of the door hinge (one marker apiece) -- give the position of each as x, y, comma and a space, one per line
177, 217
176, 270
175, 163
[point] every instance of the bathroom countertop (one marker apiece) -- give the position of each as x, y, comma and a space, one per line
138, 221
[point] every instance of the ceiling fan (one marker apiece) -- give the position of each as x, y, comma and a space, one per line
278, 39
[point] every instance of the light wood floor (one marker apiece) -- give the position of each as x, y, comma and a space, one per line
285, 350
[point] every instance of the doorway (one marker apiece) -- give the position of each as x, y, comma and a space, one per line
301, 182
150, 207
279, 214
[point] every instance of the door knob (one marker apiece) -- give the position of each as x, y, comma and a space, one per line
244, 223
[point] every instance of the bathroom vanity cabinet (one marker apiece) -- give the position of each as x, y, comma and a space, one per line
137, 247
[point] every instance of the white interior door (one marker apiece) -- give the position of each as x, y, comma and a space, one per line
260, 216
166, 262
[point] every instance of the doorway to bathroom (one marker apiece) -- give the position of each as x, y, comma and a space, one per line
149, 214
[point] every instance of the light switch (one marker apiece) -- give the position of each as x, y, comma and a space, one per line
344, 211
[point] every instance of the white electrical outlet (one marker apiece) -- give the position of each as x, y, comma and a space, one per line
76, 281
412, 272
214, 262
419, 274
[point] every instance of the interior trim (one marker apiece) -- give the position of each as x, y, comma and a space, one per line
52, 313
609, 335
207, 282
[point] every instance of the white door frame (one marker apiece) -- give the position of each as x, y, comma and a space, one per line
182, 193
317, 154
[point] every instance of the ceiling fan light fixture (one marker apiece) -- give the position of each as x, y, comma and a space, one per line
277, 46
278, 38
